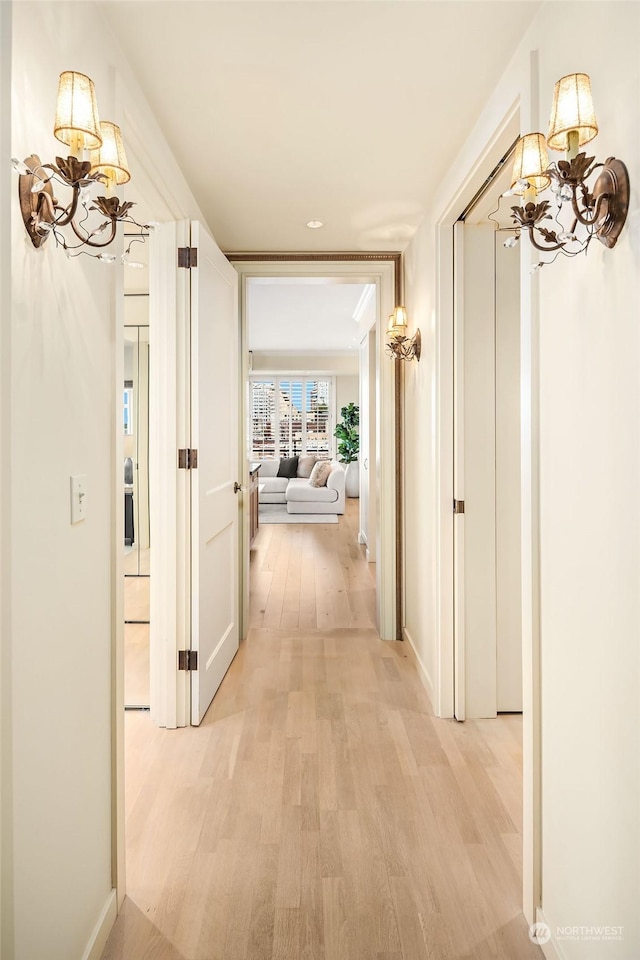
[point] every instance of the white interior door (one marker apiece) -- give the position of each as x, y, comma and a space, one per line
474, 474
215, 575
487, 608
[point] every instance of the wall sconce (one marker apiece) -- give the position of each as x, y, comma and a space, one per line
598, 211
97, 157
399, 345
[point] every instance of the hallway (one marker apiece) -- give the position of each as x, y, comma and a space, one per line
320, 811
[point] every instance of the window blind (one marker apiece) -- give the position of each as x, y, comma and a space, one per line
291, 416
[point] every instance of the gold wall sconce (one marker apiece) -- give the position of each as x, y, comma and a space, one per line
96, 158
399, 345
578, 212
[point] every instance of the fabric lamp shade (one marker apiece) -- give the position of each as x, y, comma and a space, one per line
77, 123
397, 323
572, 110
111, 159
530, 162
400, 316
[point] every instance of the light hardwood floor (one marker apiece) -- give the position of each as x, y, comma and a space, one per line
312, 576
136, 664
320, 812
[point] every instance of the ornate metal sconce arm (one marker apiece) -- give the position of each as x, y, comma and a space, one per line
550, 234
68, 213
530, 216
591, 205
86, 238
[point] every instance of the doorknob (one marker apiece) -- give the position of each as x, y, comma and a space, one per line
237, 487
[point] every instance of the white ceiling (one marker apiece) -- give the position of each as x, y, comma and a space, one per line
348, 112
298, 315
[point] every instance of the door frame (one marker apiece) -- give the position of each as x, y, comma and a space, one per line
458, 619
517, 114
169, 205
170, 604
383, 270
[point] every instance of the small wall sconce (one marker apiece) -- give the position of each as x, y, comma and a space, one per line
598, 211
97, 157
399, 345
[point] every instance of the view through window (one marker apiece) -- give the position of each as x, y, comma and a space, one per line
291, 416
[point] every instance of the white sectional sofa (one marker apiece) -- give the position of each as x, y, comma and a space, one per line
297, 493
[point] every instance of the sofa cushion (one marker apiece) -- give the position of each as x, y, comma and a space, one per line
300, 491
268, 468
288, 468
320, 474
305, 466
273, 484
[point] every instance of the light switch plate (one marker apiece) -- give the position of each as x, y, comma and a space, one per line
78, 498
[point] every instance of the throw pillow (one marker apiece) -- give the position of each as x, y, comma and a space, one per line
320, 474
305, 466
288, 468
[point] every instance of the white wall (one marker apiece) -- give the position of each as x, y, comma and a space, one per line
65, 419
61, 574
420, 473
337, 363
6, 195
589, 474
590, 526
347, 391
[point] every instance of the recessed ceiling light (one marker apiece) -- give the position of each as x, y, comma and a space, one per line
315, 224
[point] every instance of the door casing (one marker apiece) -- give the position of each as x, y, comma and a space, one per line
488, 151
363, 268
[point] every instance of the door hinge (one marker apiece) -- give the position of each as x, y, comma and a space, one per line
187, 257
187, 659
458, 506
187, 459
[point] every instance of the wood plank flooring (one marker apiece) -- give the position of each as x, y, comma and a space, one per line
320, 812
312, 577
136, 664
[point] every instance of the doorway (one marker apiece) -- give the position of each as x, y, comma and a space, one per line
306, 337
135, 477
383, 272
487, 544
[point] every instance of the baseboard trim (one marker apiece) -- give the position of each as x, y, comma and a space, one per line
102, 929
423, 673
362, 538
551, 950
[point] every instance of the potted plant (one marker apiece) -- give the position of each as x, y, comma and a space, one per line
349, 447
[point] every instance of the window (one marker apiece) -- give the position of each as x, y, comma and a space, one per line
291, 416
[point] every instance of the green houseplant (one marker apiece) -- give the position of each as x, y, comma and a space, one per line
349, 446
347, 433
